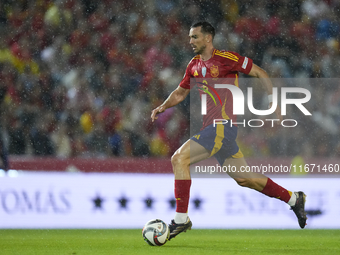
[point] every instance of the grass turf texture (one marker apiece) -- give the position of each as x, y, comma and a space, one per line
198, 241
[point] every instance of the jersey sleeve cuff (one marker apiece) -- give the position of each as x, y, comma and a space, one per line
184, 86
247, 65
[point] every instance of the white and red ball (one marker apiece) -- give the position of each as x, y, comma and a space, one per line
156, 232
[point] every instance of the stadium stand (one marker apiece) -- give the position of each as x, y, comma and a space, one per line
79, 78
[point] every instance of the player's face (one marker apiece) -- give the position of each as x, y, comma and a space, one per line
197, 40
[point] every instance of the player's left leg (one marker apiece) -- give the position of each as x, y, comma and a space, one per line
251, 180
269, 188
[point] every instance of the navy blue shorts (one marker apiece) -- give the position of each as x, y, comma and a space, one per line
220, 141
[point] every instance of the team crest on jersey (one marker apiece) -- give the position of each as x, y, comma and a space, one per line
214, 71
195, 73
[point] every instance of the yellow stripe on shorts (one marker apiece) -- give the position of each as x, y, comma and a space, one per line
239, 154
218, 139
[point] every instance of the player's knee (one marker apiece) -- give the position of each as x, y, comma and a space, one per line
178, 159
245, 182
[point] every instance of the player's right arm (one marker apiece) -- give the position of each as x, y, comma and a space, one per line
177, 96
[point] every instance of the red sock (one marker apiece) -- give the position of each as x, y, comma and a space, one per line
182, 193
274, 190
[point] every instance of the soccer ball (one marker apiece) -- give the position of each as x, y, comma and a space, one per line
156, 232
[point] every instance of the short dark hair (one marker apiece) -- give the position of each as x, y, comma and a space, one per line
206, 27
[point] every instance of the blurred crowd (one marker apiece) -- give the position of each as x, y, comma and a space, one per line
80, 77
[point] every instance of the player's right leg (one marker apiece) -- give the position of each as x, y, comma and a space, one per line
189, 153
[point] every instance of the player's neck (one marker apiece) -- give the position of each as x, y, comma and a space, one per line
207, 54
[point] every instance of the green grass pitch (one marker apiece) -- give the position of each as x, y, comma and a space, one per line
197, 241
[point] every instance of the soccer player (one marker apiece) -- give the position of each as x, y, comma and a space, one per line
218, 140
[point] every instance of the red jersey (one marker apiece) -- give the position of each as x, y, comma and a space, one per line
221, 68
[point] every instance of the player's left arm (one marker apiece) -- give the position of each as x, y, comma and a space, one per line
258, 72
